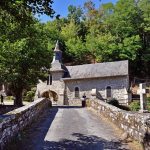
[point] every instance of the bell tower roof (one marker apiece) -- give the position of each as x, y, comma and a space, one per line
57, 53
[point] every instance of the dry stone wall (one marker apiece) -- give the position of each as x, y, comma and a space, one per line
13, 122
136, 125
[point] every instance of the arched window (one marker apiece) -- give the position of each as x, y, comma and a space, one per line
108, 92
76, 92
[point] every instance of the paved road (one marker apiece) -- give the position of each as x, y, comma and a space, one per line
70, 128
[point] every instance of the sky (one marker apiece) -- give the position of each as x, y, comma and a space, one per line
61, 7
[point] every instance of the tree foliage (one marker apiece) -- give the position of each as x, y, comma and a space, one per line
22, 10
24, 50
22, 59
109, 33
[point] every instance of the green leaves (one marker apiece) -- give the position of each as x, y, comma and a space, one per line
111, 32
70, 33
23, 52
22, 10
75, 13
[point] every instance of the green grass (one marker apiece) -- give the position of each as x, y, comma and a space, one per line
135, 105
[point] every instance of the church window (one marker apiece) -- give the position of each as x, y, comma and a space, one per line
50, 79
76, 92
108, 92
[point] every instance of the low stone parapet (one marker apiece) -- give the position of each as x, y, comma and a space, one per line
76, 102
136, 125
14, 121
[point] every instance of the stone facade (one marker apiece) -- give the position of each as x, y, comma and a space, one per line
136, 125
118, 85
97, 77
16, 120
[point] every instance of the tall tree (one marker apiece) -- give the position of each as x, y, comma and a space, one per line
127, 23
144, 29
75, 13
73, 41
22, 41
23, 53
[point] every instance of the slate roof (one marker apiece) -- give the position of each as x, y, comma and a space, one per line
106, 69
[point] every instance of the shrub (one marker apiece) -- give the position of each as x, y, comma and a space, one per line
10, 98
148, 103
30, 95
114, 102
148, 99
135, 106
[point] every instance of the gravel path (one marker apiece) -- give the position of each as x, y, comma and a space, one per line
70, 128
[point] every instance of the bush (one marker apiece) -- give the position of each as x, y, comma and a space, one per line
114, 102
135, 106
10, 98
148, 99
148, 103
29, 95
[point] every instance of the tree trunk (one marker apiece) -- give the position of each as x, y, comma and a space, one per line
18, 99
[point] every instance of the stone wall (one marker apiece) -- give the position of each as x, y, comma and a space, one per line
76, 102
13, 122
119, 86
57, 87
136, 125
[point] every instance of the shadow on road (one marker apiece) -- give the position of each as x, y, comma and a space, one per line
83, 142
33, 138
35, 133
67, 107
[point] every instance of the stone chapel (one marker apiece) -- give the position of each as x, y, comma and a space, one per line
67, 84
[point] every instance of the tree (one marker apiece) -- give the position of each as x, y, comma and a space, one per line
22, 10
99, 41
128, 23
22, 41
22, 56
75, 13
102, 47
75, 47
144, 29
90, 13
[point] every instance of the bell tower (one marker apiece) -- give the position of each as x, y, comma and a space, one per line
56, 66
57, 54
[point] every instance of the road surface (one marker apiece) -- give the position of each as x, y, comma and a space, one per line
69, 128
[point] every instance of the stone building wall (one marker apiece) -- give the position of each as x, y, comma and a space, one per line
136, 125
57, 86
15, 121
119, 87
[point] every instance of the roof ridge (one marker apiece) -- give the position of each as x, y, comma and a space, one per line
100, 63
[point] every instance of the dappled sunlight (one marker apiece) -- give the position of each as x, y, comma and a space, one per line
88, 142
